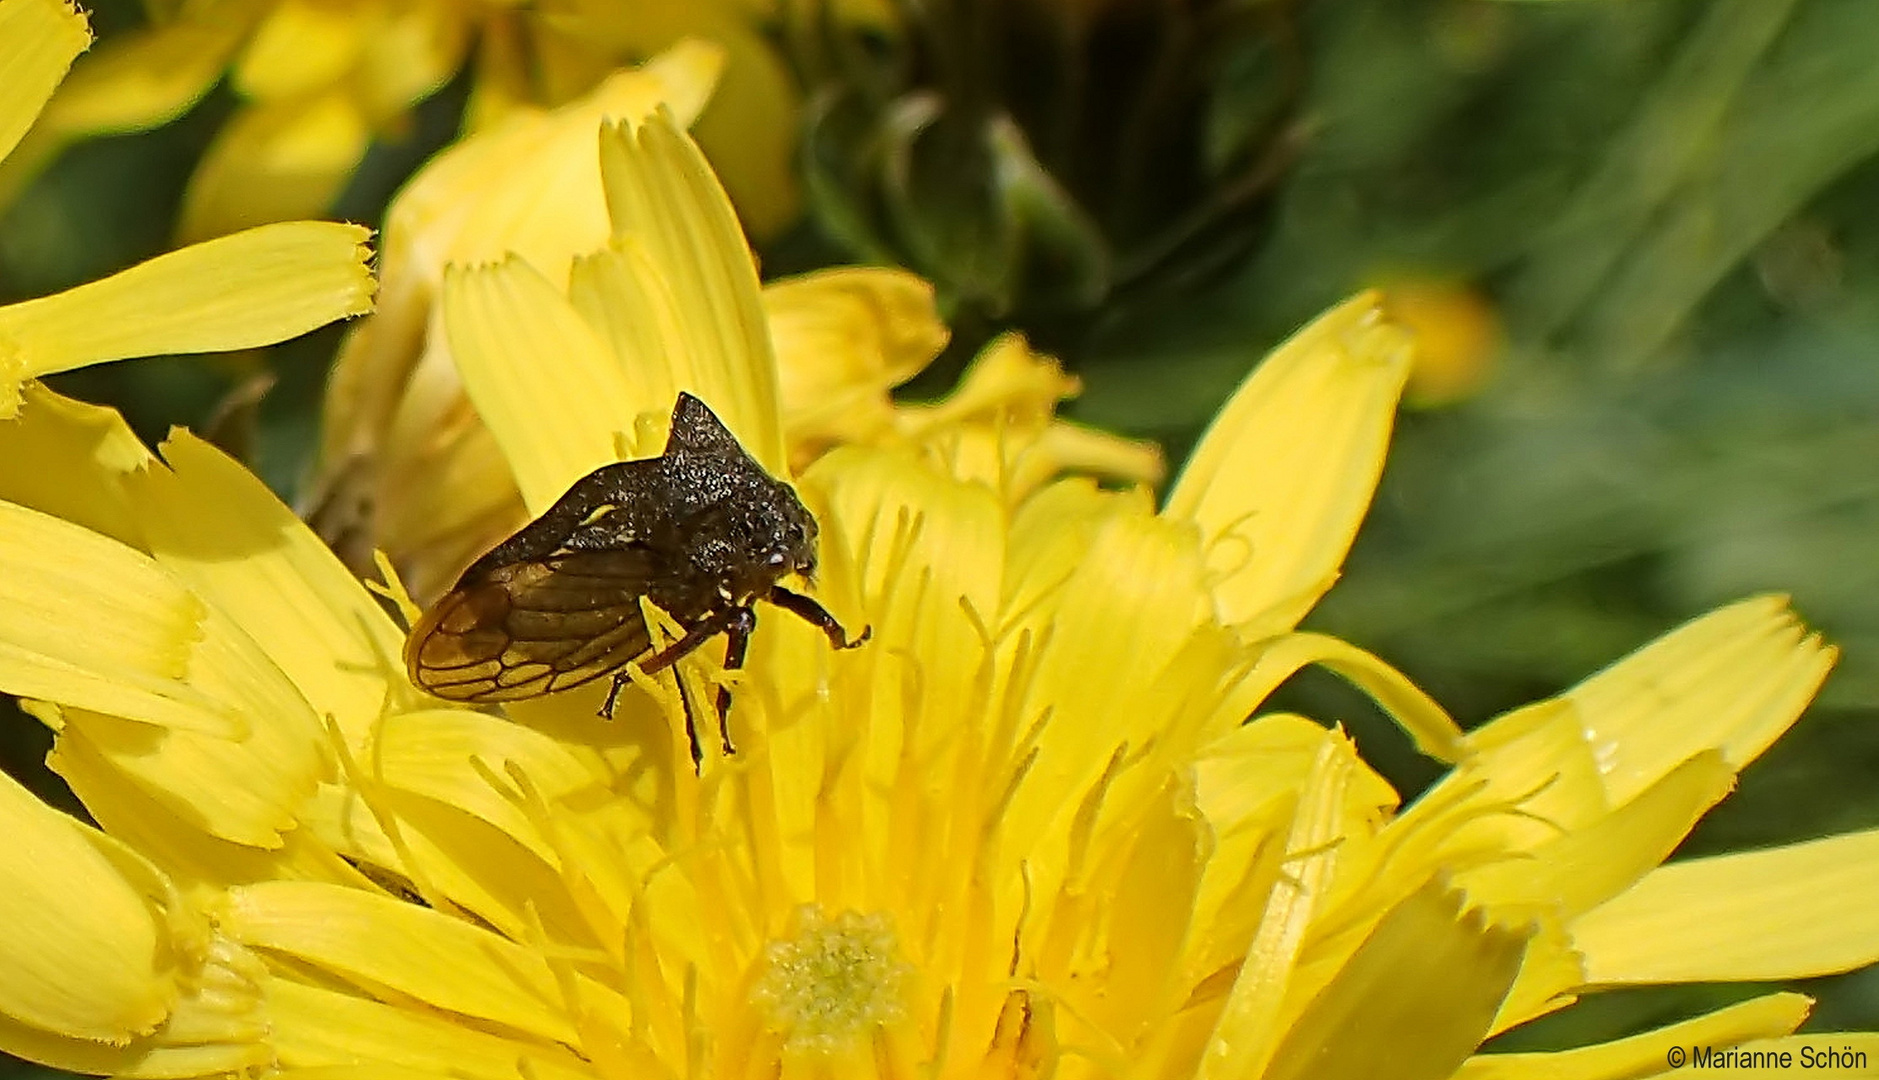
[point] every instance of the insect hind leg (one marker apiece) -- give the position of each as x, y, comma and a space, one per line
737, 631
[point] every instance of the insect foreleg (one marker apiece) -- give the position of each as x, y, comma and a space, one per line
816, 615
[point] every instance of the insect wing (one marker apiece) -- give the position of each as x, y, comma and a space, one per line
534, 627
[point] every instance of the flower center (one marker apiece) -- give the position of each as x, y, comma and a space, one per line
833, 980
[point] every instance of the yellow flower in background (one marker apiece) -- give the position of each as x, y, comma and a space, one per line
253, 288
1458, 336
320, 80
1026, 830
397, 421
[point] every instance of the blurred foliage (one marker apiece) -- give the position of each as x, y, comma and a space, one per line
1036, 159
1665, 203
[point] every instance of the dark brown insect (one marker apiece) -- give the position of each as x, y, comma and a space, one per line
701, 530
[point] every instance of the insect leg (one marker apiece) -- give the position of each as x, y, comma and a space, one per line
691, 728
613, 694
816, 615
736, 645
665, 658
713, 625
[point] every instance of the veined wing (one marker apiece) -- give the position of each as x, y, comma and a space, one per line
534, 627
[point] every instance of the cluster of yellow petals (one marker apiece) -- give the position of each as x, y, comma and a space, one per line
1027, 830
318, 81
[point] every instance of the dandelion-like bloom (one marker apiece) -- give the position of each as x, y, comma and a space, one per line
1026, 830
254, 288
319, 80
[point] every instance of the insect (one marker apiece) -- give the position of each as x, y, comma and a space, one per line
701, 530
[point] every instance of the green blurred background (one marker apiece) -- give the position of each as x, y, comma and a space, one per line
1667, 205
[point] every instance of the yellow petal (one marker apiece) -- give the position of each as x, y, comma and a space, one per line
80, 969
147, 77
751, 128
1247, 784
1282, 478
199, 864
245, 785
412, 50
233, 543
1135, 603
445, 495
216, 1025
1758, 1018
1263, 760
1050, 534
1384, 993
918, 546
525, 354
83, 452
463, 859
1435, 732
360, 1072
1067, 446
1588, 866
253, 288
317, 1027
38, 39
275, 161
299, 48
87, 621
1734, 680
1730, 681
444, 961
433, 753
1785, 913
999, 427
532, 185
844, 338
749, 133
662, 195
625, 296
1551, 977
1151, 902
1245, 1038
1529, 776
141, 1059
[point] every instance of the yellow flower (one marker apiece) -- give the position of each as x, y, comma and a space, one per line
320, 80
1025, 831
397, 420
254, 288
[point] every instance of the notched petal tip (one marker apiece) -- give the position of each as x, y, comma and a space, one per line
38, 41
253, 288
1733, 680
